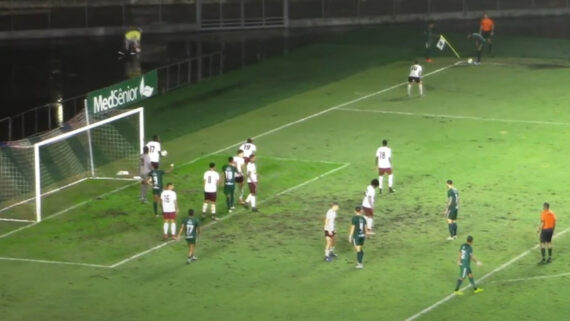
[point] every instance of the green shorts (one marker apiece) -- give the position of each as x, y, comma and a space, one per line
358, 241
464, 271
452, 214
191, 241
229, 189
156, 191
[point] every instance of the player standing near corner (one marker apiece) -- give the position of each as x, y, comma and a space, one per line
240, 165
144, 170
452, 209
330, 232
415, 76
154, 149
464, 262
229, 171
479, 42
252, 184
248, 149
429, 40
169, 206
357, 235
546, 230
368, 205
191, 228
211, 179
384, 162
487, 30
155, 178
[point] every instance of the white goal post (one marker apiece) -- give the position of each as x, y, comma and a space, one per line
105, 149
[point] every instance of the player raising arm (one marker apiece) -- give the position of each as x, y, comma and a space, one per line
154, 149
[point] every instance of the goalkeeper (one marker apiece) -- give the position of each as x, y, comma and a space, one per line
479, 42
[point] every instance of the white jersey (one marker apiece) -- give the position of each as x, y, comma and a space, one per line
239, 161
144, 166
251, 173
154, 151
331, 217
368, 200
168, 198
211, 179
384, 155
248, 149
416, 71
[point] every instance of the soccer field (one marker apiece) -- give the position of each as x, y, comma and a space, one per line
317, 116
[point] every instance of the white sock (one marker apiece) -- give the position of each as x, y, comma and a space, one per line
390, 180
213, 209
327, 252
241, 193
248, 198
253, 201
331, 249
165, 228
173, 228
380, 180
369, 222
409, 89
421, 89
204, 207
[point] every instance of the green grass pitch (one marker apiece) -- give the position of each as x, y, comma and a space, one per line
499, 130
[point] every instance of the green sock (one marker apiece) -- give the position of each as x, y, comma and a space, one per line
155, 207
459, 281
454, 229
359, 256
543, 252
549, 252
472, 281
231, 200
450, 228
228, 201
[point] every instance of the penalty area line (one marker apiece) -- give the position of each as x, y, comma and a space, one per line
211, 223
489, 274
16, 259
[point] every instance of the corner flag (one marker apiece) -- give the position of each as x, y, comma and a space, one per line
441, 43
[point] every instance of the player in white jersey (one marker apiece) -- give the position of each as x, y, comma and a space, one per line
240, 165
248, 149
144, 170
330, 232
415, 77
211, 181
169, 206
251, 170
368, 204
154, 149
383, 161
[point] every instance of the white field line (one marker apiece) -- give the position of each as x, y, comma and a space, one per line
53, 262
152, 249
489, 274
540, 277
66, 210
500, 120
301, 160
16, 220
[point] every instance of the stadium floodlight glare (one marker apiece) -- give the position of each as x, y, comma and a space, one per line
105, 149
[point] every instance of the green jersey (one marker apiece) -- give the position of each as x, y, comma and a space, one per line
453, 195
478, 37
359, 223
429, 35
156, 178
466, 252
230, 173
190, 225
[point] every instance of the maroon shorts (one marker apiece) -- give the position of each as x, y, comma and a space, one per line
382, 171
169, 215
246, 160
252, 188
239, 179
368, 212
330, 234
210, 196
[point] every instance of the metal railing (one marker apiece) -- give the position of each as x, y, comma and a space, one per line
51, 116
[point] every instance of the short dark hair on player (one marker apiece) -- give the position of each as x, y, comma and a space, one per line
251, 156
240, 151
546, 205
249, 140
469, 239
212, 165
145, 149
230, 159
358, 208
375, 182
334, 203
450, 182
384, 142
155, 138
169, 184
190, 212
416, 62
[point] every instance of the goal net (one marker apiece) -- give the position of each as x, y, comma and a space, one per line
32, 169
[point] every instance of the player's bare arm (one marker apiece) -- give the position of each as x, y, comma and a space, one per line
170, 169
180, 231
459, 258
476, 260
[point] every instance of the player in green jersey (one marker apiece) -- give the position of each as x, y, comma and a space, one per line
357, 235
191, 229
155, 180
479, 42
464, 262
229, 171
429, 40
452, 209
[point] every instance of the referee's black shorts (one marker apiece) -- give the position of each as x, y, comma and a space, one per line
546, 235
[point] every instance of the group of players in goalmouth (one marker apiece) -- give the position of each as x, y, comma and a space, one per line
362, 223
240, 168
